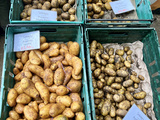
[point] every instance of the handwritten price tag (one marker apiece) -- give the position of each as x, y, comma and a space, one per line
26, 41
43, 15
135, 113
121, 6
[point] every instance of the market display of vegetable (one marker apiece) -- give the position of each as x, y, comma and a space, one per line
48, 82
114, 84
66, 10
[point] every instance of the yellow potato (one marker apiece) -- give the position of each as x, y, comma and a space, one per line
43, 39
44, 111
52, 98
25, 67
77, 65
14, 115
55, 59
68, 58
59, 64
23, 74
18, 88
54, 52
118, 97
36, 78
135, 79
128, 96
63, 52
59, 76
19, 55
16, 71
19, 108
48, 77
80, 116
124, 105
36, 70
44, 46
75, 97
74, 49
113, 111
18, 64
62, 90
34, 59
34, 105
76, 107
74, 86
53, 88
68, 73
41, 105
65, 63
65, 100
127, 83
121, 112
46, 60
39, 54
43, 90
147, 105
106, 108
116, 86
54, 66
140, 95
69, 43
25, 57
9, 118
38, 100
30, 113
122, 73
68, 113
76, 77
110, 71
23, 99
108, 6
56, 109
60, 117
28, 87
11, 97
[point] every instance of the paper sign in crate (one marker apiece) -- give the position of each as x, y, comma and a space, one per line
17, 7
151, 53
52, 33
143, 11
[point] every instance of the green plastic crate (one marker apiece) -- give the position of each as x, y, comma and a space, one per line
17, 7
52, 33
143, 10
151, 52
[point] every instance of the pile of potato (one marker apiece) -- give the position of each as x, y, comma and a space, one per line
65, 8
48, 83
114, 83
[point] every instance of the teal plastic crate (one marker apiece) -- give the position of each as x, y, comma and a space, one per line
52, 33
17, 7
151, 55
143, 10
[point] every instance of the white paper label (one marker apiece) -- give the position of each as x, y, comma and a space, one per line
135, 113
43, 15
121, 6
27, 41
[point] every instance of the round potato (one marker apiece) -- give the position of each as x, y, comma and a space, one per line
62, 90
68, 113
52, 98
14, 115
74, 86
23, 99
66, 7
74, 49
44, 111
43, 39
80, 116
19, 108
56, 109
76, 107
65, 100
147, 105
140, 95
30, 113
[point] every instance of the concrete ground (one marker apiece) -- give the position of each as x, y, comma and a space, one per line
156, 25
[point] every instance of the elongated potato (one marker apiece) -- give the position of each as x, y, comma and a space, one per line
80, 116
76, 107
34, 59
74, 48
128, 96
75, 97
25, 67
106, 108
34, 105
23, 99
43, 90
39, 54
68, 113
9, 118
19, 108
54, 53
140, 95
118, 97
18, 88
36, 78
135, 79
56, 109
19, 64
147, 105
30, 113
122, 73
65, 100
16, 71
124, 105
48, 77
60, 117
77, 65
36, 70
74, 86
25, 57
113, 111
11, 97
109, 89
55, 59
116, 86
29, 88
68, 58
52, 98
14, 115
121, 112
44, 46
59, 76
62, 90
19, 54
23, 74
110, 71
46, 60
127, 83
44, 111
53, 88
41, 105
68, 74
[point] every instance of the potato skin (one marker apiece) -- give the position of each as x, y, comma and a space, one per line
124, 105
65, 100
18, 88
122, 73
147, 105
127, 83
25, 57
68, 113
118, 97
44, 111
34, 59
121, 112
59, 76
68, 74
13, 114
48, 77
128, 96
36, 70
62, 90
11, 97
53, 88
43, 90
46, 60
23, 99
110, 71
140, 95
52, 98
74, 85
60, 117
30, 113
135, 79
80, 116
106, 108
76, 107
74, 49
77, 65
56, 109
19, 108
